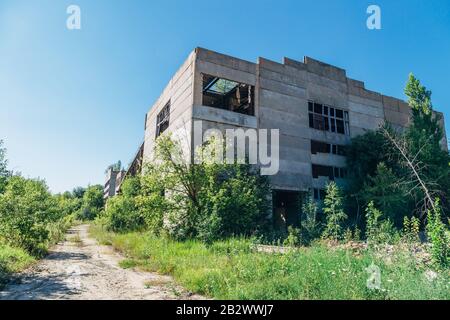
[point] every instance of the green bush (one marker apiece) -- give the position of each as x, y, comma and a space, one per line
30, 217
122, 215
311, 228
12, 260
334, 213
204, 201
230, 269
438, 235
26, 209
379, 230
294, 237
92, 203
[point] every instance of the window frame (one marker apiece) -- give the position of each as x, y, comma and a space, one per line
163, 119
327, 119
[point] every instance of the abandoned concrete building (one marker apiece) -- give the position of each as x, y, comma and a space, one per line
113, 180
316, 107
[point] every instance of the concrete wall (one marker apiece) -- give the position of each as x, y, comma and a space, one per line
282, 91
180, 92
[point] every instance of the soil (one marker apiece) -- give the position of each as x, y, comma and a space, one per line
81, 269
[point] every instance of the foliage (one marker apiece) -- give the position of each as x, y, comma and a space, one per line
294, 237
12, 260
206, 201
31, 218
27, 210
384, 189
348, 235
310, 225
334, 212
378, 230
122, 213
438, 234
3, 167
230, 269
424, 137
115, 166
92, 203
411, 228
401, 171
78, 192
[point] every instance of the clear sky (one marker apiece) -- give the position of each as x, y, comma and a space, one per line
73, 101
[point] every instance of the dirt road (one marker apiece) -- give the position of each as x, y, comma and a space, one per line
80, 268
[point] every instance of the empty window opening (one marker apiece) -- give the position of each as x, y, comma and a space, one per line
162, 120
328, 171
327, 118
323, 147
286, 206
229, 95
319, 194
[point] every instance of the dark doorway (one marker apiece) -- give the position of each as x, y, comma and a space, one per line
286, 208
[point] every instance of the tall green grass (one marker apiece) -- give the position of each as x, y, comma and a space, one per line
233, 270
12, 260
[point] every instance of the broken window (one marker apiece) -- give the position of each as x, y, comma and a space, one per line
319, 194
229, 95
323, 147
328, 171
322, 171
162, 120
318, 118
319, 147
326, 118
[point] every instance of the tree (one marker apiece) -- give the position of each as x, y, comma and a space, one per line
26, 209
92, 204
388, 193
423, 152
415, 169
334, 212
122, 212
363, 156
309, 223
207, 200
3, 167
378, 228
3, 161
78, 192
439, 236
115, 166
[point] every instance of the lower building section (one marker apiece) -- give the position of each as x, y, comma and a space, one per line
286, 208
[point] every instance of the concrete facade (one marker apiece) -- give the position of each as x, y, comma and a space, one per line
282, 93
113, 180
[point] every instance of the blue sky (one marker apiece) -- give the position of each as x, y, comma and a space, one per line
74, 101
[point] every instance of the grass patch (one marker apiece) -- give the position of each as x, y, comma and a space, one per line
76, 240
156, 283
232, 270
12, 260
128, 264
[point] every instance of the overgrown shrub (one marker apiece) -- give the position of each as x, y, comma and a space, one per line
122, 212
92, 203
334, 213
121, 215
12, 260
205, 201
438, 235
310, 226
411, 228
29, 215
378, 230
